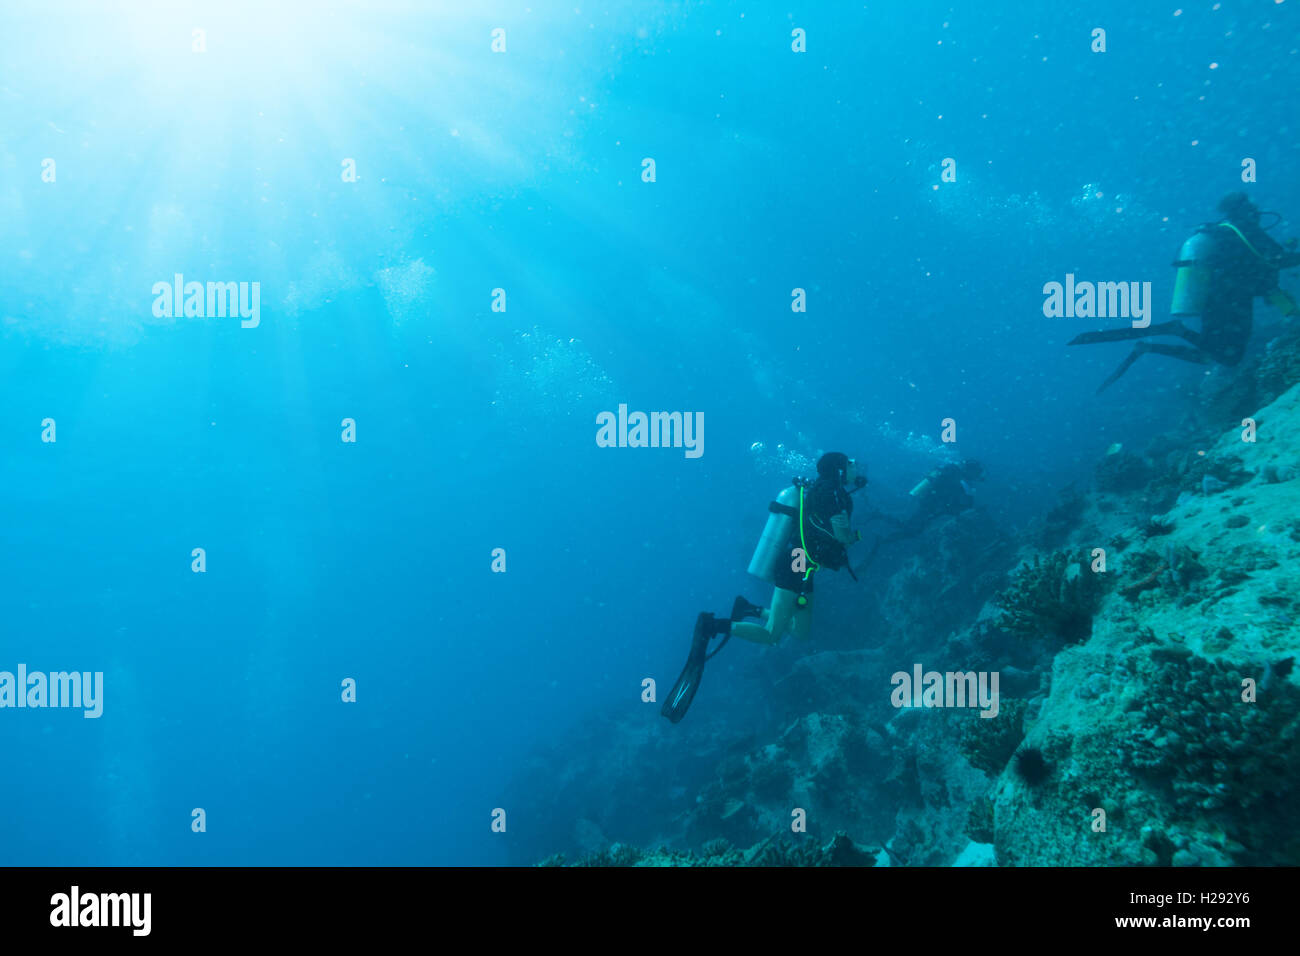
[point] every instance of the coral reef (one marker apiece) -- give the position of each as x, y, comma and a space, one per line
753, 793
955, 564
1121, 472
1144, 571
1214, 473
1173, 574
979, 820
1171, 750
1153, 718
1157, 526
1055, 598
1160, 755
789, 851
1062, 518
1195, 736
988, 743
1279, 368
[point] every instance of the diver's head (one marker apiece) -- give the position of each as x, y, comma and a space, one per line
840, 468
972, 470
1237, 208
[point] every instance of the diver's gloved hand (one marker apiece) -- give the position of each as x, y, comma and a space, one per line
840, 528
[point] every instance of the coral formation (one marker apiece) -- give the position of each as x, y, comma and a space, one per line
1279, 368
1062, 519
1156, 526
1175, 573
979, 820
1145, 569
789, 851
1194, 735
1211, 474
1056, 598
1121, 472
988, 743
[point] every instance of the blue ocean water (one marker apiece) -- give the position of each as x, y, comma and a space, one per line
521, 169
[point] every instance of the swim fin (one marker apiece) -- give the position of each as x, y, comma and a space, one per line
683, 692
1139, 350
1284, 302
741, 609
1110, 335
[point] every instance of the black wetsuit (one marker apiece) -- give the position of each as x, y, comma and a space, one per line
946, 495
1237, 276
1238, 273
821, 502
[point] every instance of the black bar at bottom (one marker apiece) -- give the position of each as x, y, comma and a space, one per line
334, 906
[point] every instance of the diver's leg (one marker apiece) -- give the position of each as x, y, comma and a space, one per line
1225, 330
1184, 352
765, 633
785, 604
756, 633
776, 622
802, 624
1183, 332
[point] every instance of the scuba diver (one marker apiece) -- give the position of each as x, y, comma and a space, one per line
1221, 268
808, 529
947, 490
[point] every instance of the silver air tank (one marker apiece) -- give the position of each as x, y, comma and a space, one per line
1192, 280
776, 538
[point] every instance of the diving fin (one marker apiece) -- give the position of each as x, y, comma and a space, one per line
683, 692
1139, 350
1110, 335
741, 609
1284, 302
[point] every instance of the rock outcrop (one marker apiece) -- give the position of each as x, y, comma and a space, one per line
1144, 635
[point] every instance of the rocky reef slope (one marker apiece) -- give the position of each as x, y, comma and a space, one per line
1177, 717
1143, 634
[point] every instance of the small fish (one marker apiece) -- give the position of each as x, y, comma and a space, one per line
1116, 448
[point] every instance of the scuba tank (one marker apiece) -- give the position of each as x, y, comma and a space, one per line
1192, 280
776, 535
924, 485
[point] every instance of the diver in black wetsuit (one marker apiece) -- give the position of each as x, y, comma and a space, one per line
819, 530
1222, 268
947, 490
